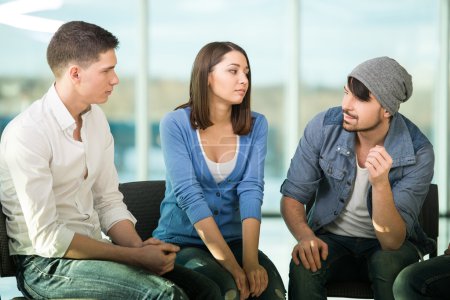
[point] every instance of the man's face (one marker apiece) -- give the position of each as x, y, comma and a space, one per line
96, 82
361, 115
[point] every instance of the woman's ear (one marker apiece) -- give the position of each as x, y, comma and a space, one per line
387, 114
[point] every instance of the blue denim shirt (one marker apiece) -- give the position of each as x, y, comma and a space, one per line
324, 168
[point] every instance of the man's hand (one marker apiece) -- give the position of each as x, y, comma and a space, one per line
152, 241
310, 250
378, 162
157, 256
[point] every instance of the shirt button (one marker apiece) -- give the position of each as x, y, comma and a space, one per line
216, 212
342, 200
218, 194
335, 213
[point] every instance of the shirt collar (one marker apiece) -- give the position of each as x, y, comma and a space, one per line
398, 142
60, 111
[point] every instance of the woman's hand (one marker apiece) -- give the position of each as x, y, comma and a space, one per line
257, 279
241, 282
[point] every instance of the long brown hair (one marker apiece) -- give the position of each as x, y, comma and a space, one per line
209, 56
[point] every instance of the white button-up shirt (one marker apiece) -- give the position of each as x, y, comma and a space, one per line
43, 189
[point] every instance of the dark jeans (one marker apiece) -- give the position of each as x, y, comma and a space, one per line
351, 258
198, 258
429, 279
43, 278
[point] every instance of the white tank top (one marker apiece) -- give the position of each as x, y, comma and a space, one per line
220, 171
354, 219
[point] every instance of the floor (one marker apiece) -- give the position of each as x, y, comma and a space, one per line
276, 242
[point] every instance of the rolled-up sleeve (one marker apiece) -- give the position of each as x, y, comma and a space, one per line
304, 172
409, 193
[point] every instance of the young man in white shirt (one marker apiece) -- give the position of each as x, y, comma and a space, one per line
59, 189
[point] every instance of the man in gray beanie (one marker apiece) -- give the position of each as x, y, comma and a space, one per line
369, 169
388, 81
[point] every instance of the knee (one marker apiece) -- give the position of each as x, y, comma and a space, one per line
385, 264
229, 289
171, 291
407, 284
299, 272
231, 294
401, 284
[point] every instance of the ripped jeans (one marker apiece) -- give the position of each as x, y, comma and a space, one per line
198, 258
44, 278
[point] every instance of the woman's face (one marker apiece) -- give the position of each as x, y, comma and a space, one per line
228, 82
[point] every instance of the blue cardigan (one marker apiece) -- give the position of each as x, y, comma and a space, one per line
191, 191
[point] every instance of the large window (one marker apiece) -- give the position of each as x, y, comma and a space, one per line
334, 37
331, 37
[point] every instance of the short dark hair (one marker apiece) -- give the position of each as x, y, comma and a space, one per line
358, 89
210, 55
78, 42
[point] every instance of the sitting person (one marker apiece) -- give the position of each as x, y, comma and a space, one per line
429, 279
59, 189
369, 169
214, 149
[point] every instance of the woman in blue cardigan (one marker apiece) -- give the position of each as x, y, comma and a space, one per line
214, 148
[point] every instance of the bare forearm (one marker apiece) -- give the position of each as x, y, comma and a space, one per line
389, 226
123, 233
250, 236
83, 247
214, 241
294, 216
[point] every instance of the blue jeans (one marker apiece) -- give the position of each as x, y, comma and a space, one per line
429, 279
198, 258
351, 258
43, 278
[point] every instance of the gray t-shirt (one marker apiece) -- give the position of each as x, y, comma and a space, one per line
354, 220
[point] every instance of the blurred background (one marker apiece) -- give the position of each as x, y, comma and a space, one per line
300, 53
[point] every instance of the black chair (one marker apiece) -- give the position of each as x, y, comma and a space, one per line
428, 218
7, 267
142, 199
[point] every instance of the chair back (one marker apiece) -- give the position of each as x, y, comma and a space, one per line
143, 199
429, 215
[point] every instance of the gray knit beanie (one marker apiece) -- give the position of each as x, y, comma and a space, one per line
387, 80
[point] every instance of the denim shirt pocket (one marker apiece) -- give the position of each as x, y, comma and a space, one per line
330, 170
333, 175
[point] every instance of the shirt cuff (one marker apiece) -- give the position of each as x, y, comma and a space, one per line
290, 190
250, 205
198, 212
61, 243
109, 219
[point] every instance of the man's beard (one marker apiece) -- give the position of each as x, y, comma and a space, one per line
364, 129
